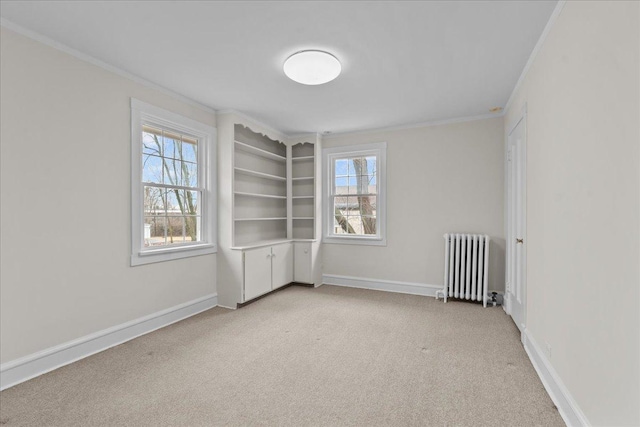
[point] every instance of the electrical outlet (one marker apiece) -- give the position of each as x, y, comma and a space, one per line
548, 350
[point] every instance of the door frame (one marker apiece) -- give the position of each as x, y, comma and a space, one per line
510, 238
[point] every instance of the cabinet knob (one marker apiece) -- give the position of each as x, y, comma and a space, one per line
306, 251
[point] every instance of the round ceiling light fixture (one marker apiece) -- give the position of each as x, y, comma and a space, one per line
312, 67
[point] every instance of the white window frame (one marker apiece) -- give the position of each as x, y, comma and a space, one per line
378, 149
146, 114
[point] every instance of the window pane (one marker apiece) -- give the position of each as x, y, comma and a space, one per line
171, 230
352, 169
174, 200
341, 167
154, 201
189, 174
154, 230
182, 202
151, 168
192, 228
371, 163
341, 185
351, 205
189, 152
369, 224
340, 211
189, 202
172, 171
364, 185
152, 142
175, 230
356, 225
369, 204
353, 185
355, 215
169, 146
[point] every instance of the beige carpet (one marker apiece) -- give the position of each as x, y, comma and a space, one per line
328, 356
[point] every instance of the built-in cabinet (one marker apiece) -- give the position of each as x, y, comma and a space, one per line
267, 268
268, 210
303, 253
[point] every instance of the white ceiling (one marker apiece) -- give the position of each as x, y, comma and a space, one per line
403, 62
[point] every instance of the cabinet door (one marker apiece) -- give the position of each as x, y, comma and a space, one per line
257, 272
282, 265
302, 262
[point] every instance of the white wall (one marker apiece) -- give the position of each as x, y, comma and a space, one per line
583, 205
439, 179
65, 141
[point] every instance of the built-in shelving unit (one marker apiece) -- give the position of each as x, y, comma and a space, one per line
259, 151
268, 209
260, 187
260, 174
303, 190
268, 196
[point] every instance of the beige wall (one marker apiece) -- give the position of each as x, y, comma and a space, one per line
66, 203
439, 179
583, 205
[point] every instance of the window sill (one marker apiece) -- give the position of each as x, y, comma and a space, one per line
353, 240
169, 254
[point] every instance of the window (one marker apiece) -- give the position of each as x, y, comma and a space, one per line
355, 194
172, 186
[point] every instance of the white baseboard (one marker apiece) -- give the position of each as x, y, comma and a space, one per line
567, 406
33, 365
381, 285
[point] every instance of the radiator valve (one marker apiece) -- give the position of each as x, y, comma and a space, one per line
496, 299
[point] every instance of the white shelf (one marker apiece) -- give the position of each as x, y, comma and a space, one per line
260, 174
302, 197
259, 151
260, 219
302, 158
303, 217
302, 178
267, 196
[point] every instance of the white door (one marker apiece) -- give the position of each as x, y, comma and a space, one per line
282, 265
257, 272
516, 224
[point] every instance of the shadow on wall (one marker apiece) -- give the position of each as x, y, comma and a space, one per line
497, 258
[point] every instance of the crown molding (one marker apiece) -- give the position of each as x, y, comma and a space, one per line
536, 49
299, 137
94, 61
250, 119
416, 125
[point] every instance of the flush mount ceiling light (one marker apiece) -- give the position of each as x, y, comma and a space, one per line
312, 67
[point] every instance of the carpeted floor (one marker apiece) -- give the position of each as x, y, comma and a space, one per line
328, 356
